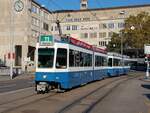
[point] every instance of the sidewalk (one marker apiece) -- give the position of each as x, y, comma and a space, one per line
22, 76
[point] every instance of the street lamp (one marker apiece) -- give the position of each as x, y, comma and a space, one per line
11, 38
132, 27
121, 13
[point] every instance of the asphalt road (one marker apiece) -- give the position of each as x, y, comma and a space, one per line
132, 96
15, 85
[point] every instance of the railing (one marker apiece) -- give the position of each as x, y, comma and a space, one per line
4, 70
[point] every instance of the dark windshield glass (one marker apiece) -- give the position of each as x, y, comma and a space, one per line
61, 59
45, 57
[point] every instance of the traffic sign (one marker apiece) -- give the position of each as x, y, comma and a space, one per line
46, 40
147, 48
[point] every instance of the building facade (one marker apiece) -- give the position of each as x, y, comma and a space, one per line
21, 23
95, 26
83, 4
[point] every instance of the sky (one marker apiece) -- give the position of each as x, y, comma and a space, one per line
75, 4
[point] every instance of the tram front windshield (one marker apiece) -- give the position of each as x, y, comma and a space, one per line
45, 57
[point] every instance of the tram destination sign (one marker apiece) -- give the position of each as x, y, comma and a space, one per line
46, 40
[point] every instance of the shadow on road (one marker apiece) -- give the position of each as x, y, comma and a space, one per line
146, 86
147, 95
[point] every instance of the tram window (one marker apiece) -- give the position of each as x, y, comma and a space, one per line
110, 62
45, 57
105, 61
117, 62
100, 61
126, 63
61, 59
77, 58
71, 58
87, 59
81, 59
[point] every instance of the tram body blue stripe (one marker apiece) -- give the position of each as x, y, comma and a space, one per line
117, 71
71, 79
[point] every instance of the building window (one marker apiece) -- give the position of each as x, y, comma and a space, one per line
121, 25
83, 5
93, 35
35, 9
84, 35
69, 20
102, 43
102, 26
45, 26
46, 15
111, 25
35, 21
56, 28
67, 27
86, 19
51, 28
77, 19
110, 34
102, 35
74, 27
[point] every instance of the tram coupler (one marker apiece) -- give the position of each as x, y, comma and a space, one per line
42, 87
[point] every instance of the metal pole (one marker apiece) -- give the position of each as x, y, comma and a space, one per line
147, 71
122, 63
121, 49
11, 39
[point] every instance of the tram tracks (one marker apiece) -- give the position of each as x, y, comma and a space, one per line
20, 102
79, 102
32, 99
87, 102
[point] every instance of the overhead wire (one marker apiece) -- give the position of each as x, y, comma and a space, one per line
61, 8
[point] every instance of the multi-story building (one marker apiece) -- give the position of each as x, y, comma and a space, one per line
95, 26
21, 23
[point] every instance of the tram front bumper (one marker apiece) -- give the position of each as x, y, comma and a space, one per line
41, 86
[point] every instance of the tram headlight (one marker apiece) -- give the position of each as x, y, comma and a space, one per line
44, 76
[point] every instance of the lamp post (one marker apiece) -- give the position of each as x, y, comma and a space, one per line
122, 13
11, 38
122, 63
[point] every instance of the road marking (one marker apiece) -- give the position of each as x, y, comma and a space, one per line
7, 86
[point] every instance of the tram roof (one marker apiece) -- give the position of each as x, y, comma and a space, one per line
79, 43
117, 55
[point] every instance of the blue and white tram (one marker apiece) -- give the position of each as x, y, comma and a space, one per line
68, 63
100, 65
117, 64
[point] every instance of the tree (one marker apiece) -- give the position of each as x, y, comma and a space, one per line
133, 38
114, 44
